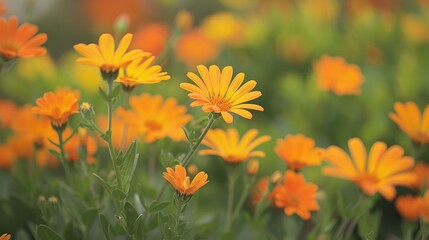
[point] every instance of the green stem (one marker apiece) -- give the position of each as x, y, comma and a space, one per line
63, 155
195, 146
232, 179
243, 197
351, 227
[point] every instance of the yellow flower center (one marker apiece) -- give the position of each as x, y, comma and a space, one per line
153, 126
220, 104
109, 68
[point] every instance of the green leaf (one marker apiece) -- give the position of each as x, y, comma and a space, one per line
89, 216
128, 166
157, 206
103, 94
368, 225
187, 134
44, 232
103, 183
105, 225
131, 217
55, 153
73, 205
115, 92
118, 194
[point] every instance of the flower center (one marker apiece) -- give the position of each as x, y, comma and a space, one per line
220, 104
153, 126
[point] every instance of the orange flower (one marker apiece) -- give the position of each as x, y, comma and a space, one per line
151, 38
422, 171
384, 168
104, 55
296, 195
20, 41
122, 132
182, 183
227, 145
425, 214
58, 106
409, 119
2, 7
298, 151
215, 92
141, 72
46, 159
5, 236
155, 118
410, 207
260, 190
194, 47
7, 156
7, 113
333, 73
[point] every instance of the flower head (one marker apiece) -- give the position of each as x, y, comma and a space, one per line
151, 38
408, 117
333, 73
182, 183
422, 172
425, 213
298, 151
20, 41
295, 195
410, 207
141, 72
2, 7
155, 118
105, 56
252, 167
384, 168
5, 236
229, 146
194, 47
8, 110
57, 106
215, 92
81, 142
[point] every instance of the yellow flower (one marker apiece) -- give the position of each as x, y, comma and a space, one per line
227, 145
182, 183
57, 106
298, 151
215, 92
141, 72
384, 168
20, 41
414, 123
104, 55
224, 28
155, 118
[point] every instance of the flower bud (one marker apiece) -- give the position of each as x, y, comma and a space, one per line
253, 167
87, 111
276, 177
184, 20
192, 169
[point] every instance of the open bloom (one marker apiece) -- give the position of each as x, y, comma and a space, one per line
298, 151
384, 168
411, 121
5, 236
215, 92
410, 207
295, 195
57, 106
20, 41
229, 146
141, 72
155, 118
422, 172
182, 183
333, 73
104, 55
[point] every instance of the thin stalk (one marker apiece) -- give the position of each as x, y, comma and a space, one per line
232, 179
63, 155
351, 227
243, 197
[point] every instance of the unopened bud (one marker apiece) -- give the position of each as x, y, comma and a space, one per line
121, 24
87, 111
184, 20
53, 200
42, 199
276, 177
192, 169
253, 167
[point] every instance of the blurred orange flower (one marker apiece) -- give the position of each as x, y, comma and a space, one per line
5, 236
422, 171
384, 168
2, 7
104, 55
141, 72
260, 190
333, 73
20, 41
81, 142
46, 159
57, 106
194, 47
410, 207
229, 146
7, 156
155, 118
151, 38
410, 120
7, 113
215, 92
425, 214
223, 28
298, 151
21, 146
122, 132
182, 183
295, 195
